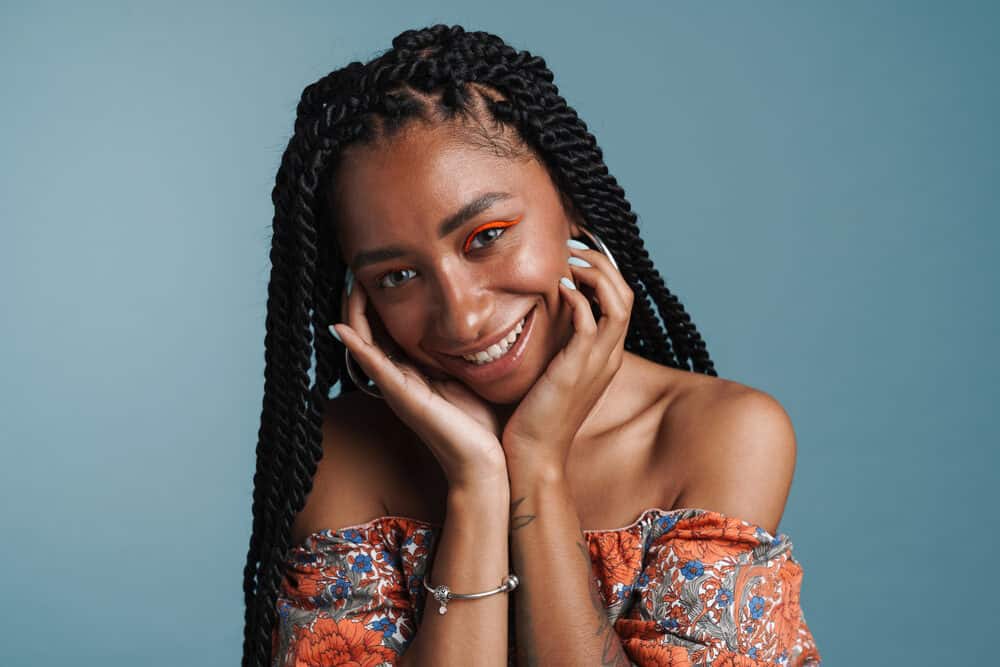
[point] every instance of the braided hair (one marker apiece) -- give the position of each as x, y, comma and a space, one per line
440, 69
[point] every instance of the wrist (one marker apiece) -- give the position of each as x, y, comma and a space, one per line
472, 474
481, 488
524, 464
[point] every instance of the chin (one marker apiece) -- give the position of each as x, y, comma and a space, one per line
510, 394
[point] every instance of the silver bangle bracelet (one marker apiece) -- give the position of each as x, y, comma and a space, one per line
443, 594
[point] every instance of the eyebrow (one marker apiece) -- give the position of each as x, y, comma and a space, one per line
468, 211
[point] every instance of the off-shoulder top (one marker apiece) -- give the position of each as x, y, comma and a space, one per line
681, 587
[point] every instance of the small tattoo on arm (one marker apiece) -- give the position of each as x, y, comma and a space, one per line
519, 520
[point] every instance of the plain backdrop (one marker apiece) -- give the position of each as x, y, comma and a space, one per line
816, 182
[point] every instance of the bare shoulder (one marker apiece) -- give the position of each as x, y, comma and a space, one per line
351, 478
739, 449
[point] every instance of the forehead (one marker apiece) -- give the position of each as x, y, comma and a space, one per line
404, 186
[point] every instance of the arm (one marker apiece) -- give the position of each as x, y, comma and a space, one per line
471, 556
561, 619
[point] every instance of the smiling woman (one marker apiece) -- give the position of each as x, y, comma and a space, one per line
453, 245
448, 220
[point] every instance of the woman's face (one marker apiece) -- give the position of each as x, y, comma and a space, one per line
446, 278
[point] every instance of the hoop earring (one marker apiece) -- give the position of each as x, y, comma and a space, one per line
601, 247
363, 386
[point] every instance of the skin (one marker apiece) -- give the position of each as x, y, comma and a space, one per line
647, 426
441, 296
398, 196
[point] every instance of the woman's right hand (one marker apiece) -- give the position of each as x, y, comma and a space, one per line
458, 426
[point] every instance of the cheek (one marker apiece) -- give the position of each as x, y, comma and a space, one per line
399, 320
538, 267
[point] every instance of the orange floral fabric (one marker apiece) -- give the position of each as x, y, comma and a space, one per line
682, 588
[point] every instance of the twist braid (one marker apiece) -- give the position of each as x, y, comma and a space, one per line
431, 73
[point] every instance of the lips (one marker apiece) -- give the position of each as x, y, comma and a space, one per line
481, 373
498, 349
497, 340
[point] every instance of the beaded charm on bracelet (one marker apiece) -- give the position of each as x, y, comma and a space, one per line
443, 594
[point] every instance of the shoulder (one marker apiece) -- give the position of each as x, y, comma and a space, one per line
351, 475
738, 449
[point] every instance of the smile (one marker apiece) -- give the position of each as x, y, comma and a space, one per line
497, 350
496, 361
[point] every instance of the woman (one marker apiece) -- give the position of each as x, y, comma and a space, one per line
532, 435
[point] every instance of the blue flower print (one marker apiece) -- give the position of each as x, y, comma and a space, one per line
724, 598
756, 606
693, 569
643, 580
666, 522
752, 653
353, 535
340, 589
362, 563
666, 624
387, 627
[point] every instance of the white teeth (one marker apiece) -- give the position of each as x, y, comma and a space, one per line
497, 350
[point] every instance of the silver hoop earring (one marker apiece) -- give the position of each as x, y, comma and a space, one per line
601, 247
372, 389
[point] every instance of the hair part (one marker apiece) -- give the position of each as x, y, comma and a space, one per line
498, 99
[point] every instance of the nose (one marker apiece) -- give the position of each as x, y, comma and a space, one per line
463, 305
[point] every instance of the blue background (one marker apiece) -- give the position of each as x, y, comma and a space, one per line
817, 182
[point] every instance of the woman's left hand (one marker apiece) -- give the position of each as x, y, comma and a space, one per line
539, 433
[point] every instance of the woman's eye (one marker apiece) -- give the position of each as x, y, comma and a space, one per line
393, 279
478, 240
491, 235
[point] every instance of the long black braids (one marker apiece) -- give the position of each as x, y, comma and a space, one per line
437, 69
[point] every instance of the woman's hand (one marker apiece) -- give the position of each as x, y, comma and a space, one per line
539, 433
458, 427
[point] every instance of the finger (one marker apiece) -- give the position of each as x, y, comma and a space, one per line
356, 317
584, 326
388, 373
614, 312
599, 260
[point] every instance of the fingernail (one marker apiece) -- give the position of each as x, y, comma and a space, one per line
567, 282
334, 333
348, 281
573, 243
576, 261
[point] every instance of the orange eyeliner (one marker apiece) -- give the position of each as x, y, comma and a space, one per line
490, 225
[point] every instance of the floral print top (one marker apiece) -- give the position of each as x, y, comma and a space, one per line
682, 587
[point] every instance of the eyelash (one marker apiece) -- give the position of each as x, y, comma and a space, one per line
499, 224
